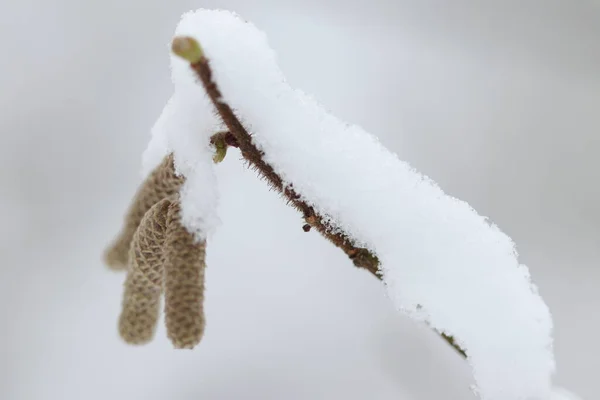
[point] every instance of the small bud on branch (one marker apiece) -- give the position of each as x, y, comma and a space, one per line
187, 48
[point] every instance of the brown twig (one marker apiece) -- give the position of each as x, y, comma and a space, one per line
361, 257
238, 136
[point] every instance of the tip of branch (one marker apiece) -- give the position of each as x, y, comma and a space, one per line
187, 48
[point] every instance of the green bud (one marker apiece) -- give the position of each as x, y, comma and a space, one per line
187, 48
220, 149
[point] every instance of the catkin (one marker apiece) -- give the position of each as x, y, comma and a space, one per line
160, 256
143, 285
160, 184
184, 269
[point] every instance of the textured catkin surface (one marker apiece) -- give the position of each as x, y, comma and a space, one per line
184, 282
143, 286
160, 255
160, 184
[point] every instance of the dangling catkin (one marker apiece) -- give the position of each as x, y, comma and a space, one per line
161, 256
160, 184
143, 286
183, 282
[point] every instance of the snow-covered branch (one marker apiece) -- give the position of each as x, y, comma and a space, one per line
189, 49
238, 136
441, 262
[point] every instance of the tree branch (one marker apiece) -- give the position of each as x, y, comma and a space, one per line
189, 49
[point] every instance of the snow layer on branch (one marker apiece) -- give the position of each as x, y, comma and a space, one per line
184, 128
442, 262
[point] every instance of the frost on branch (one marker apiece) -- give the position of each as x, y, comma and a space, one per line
442, 263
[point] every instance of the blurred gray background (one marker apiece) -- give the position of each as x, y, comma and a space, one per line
498, 101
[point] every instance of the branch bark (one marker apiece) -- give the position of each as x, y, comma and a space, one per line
361, 257
189, 49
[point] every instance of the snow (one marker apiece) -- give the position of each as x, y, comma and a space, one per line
442, 262
184, 128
